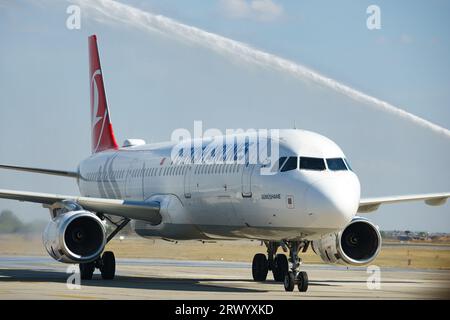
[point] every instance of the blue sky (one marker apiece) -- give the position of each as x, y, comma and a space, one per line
155, 84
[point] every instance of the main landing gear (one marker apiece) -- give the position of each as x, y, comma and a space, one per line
278, 264
106, 263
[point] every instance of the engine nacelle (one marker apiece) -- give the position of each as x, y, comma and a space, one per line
357, 244
75, 237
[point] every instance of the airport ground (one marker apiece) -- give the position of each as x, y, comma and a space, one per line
148, 269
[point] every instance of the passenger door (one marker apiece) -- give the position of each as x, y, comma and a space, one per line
246, 180
187, 182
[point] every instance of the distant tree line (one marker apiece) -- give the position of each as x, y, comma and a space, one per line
10, 223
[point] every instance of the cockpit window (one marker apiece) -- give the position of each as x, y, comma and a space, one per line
308, 163
348, 165
290, 164
336, 164
278, 164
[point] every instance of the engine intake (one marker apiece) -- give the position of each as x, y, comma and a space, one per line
75, 236
358, 244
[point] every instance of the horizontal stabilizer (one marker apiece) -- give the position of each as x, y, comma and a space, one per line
63, 173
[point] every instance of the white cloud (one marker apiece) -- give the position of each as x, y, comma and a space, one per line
262, 10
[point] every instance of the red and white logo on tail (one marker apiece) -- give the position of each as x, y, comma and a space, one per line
101, 127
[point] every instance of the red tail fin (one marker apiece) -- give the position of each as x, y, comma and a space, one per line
101, 127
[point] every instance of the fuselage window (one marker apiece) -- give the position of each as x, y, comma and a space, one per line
336, 164
308, 163
290, 164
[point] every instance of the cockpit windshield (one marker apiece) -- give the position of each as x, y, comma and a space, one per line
308, 163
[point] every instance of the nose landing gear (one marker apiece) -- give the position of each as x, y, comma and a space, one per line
294, 277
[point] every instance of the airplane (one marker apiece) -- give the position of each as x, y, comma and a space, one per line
308, 197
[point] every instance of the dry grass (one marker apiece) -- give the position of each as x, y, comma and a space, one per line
399, 256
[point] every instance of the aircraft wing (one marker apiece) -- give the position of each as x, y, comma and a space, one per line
139, 210
432, 199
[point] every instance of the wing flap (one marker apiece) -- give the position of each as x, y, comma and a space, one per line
138, 210
432, 199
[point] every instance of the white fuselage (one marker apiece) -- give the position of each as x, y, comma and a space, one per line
229, 200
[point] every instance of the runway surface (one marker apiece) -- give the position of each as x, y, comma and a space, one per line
44, 278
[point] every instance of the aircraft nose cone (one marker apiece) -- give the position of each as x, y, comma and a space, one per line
334, 200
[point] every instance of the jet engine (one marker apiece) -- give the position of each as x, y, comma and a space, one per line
75, 237
357, 244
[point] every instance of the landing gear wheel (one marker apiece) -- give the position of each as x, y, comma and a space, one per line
260, 267
289, 282
281, 267
302, 281
108, 265
87, 270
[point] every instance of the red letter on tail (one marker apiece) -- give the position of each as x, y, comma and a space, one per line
101, 127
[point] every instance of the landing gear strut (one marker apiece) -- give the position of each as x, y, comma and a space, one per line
294, 277
106, 263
